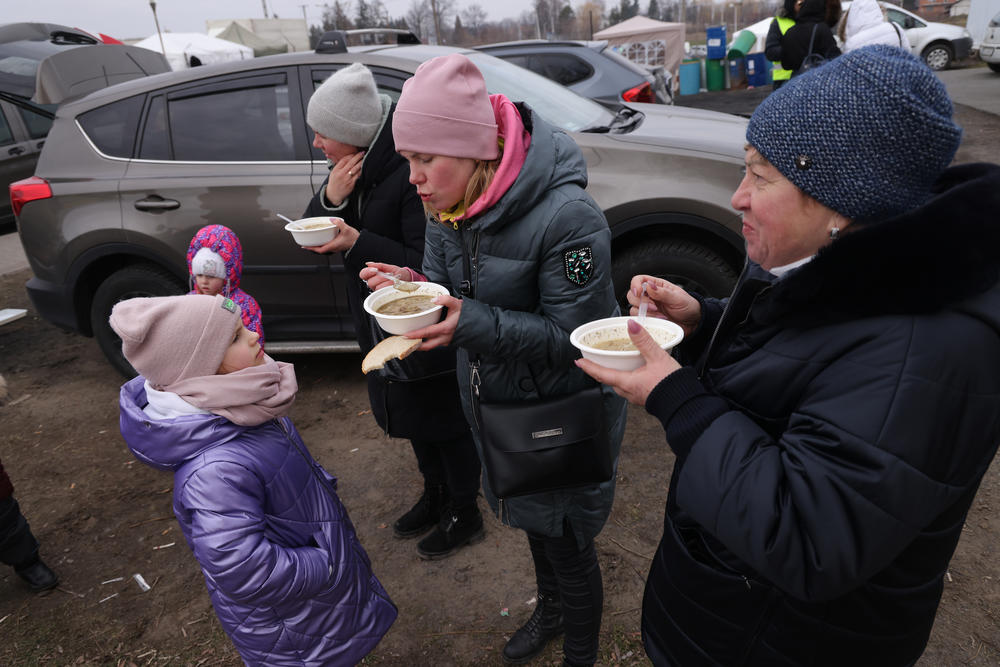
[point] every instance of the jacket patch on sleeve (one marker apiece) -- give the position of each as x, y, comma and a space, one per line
579, 265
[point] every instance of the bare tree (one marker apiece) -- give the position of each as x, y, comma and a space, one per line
335, 17
440, 11
418, 18
567, 22
380, 14
365, 17
474, 17
590, 18
542, 24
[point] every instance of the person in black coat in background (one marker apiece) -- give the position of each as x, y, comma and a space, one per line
783, 21
810, 27
416, 398
834, 417
18, 547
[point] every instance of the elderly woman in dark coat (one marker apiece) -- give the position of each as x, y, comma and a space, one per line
835, 415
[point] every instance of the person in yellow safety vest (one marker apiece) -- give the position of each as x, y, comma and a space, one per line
784, 20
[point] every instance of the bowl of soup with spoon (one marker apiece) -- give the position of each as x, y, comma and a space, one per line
606, 342
399, 312
309, 232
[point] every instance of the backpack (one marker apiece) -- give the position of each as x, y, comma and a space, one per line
812, 60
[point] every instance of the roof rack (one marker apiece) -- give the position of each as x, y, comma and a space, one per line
335, 41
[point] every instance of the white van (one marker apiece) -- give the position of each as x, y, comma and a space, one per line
989, 48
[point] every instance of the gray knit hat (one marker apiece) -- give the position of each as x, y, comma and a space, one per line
173, 338
347, 107
866, 133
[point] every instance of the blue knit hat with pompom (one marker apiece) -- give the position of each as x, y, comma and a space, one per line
867, 133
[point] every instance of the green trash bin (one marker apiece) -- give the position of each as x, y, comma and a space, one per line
741, 45
715, 75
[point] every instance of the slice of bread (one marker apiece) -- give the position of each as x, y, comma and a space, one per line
393, 347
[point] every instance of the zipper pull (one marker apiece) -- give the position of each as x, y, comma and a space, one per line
474, 377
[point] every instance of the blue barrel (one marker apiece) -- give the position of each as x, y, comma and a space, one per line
715, 38
737, 73
758, 70
690, 77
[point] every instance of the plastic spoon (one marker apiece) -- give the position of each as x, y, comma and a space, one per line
643, 304
399, 283
284, 217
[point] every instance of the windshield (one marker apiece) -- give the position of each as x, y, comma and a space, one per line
556, 104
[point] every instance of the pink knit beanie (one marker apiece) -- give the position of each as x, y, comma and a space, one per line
444, 109
172, 338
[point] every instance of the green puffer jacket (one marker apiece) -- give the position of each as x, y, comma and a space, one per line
525, 305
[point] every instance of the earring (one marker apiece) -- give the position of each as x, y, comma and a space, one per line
834, 233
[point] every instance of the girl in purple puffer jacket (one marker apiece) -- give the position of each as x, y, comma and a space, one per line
286, 574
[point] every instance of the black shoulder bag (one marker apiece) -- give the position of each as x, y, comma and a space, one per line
543, 444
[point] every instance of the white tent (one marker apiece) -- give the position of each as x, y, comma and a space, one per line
646, 41
189, 49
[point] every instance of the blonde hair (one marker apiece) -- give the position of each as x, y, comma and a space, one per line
479, 183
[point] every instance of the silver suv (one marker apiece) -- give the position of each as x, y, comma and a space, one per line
129, 173
592, 69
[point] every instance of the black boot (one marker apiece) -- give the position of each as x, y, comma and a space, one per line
457, 527
38, 575
425, 514
545, 624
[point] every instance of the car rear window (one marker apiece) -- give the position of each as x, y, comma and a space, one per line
247, 119
560, 67
112, 127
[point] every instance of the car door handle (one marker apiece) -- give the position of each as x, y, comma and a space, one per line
16, 150
157, 204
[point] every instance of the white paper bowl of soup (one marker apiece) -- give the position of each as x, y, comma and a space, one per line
400, 312
314, 231
606, 341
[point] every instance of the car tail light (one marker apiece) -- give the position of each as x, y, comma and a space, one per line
641, 93
29, 189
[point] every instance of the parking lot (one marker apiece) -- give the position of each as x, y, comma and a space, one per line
102, 517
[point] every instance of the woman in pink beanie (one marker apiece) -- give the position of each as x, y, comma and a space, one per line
288, 579
526, 254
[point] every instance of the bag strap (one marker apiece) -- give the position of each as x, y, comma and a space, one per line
811, 38
465, 289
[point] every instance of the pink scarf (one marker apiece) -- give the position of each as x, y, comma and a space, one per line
248, 397
516, 141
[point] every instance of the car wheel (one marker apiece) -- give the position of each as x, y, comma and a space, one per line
994, 66
691, 265
132, 281
938, 56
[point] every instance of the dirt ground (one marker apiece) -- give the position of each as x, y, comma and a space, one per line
102, 518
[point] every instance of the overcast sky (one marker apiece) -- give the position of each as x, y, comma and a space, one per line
128, 19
